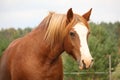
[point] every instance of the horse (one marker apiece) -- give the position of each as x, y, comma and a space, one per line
37, 55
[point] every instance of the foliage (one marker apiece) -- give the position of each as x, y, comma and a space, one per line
103, 41
116, 73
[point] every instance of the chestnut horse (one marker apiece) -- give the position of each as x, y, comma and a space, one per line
36, 56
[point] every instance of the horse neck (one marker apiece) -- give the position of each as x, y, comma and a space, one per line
53, 53
49, 54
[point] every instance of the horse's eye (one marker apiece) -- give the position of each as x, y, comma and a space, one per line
72, 34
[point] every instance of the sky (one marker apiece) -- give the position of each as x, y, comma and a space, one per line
29, 13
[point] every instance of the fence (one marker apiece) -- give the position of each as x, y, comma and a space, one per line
96, 73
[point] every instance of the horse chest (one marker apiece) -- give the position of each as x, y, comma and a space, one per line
53, 72
40, 72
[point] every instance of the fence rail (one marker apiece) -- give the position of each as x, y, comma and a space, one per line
74, 73
82, 73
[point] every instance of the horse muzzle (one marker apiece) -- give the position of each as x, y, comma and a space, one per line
85, 64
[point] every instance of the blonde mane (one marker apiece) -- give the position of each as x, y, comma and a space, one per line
56, 28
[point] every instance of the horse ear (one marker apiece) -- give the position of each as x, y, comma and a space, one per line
87, 15
69, 15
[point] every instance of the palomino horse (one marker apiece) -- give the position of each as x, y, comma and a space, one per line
36, 56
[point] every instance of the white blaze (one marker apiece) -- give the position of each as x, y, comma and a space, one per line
82, 32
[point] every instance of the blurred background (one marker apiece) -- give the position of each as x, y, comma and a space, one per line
19, 17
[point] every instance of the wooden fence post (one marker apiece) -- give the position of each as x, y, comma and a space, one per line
110, 78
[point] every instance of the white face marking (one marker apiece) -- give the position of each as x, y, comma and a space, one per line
82, 32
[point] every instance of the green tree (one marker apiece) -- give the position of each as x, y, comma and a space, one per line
104, 40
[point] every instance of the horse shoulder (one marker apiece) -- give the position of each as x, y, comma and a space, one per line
5, 61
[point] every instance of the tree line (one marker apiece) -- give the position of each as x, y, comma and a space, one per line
103, 41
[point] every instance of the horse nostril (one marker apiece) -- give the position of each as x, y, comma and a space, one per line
92, 60
84, 65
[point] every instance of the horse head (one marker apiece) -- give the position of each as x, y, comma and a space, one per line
75, 41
